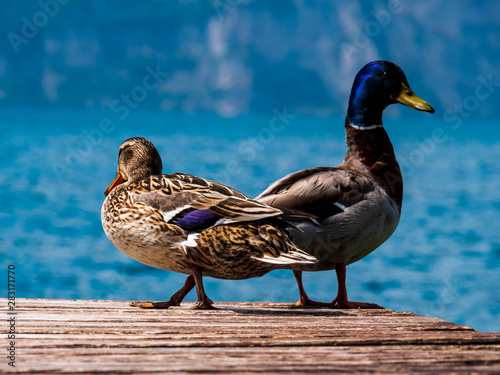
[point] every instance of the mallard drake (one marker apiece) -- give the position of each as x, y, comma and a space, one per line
191, 225
358, 203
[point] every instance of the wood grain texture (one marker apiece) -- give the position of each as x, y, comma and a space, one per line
110, 337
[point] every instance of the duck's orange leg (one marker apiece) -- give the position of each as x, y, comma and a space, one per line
341, 301
304, 300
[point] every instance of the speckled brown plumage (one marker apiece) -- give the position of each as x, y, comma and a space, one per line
191, 225
234, 251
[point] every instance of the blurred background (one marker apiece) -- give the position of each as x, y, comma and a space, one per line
245, 92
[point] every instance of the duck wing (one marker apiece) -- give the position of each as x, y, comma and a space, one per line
195, 203
323, 191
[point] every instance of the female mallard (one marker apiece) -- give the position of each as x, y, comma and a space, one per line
190, 225
358, 203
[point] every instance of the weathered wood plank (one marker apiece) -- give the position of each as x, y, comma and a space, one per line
110, 337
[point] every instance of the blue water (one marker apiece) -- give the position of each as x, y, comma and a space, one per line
443, 260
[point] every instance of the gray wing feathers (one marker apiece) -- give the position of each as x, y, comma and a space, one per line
306, 189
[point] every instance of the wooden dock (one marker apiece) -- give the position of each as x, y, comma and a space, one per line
110, 337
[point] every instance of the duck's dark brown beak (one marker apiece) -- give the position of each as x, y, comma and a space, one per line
410, 99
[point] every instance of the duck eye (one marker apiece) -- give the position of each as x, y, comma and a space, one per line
120, 151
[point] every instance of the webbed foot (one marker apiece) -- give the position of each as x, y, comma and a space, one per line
341, 304
154, 305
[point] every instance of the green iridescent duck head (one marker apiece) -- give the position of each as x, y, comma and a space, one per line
377, 85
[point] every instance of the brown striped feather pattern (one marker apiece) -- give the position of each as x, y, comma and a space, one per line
248, 240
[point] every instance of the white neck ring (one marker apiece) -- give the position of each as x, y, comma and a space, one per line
370, 127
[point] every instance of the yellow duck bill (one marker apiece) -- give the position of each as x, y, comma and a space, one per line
410, 99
